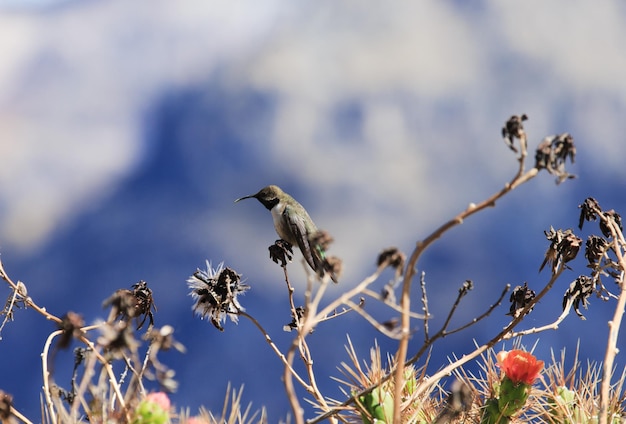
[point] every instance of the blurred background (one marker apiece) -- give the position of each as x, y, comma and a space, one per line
127, 129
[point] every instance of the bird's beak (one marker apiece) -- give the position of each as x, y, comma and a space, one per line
245, 197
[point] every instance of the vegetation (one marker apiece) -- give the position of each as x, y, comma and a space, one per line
514, 386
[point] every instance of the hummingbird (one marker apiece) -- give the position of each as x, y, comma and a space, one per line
294, 225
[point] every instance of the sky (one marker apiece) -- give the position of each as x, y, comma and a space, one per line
127, 131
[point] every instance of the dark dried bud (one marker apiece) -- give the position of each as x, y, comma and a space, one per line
579, 290
520, 297
615, 218
163, 339
127, 304
466, 287
569, 247
391, 324
589, 210
387, 293
322, 240
513, 129
334, 266
295, 319
552, 153
281, 251
80, 354
595, 250
117, 338
71, 324
145, 303
6, 403
564, 246
392, 257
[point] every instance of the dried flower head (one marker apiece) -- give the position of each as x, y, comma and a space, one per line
552, 153
589, 210
71, 324
215, 293
393, 258
579, 290
466, 287
281, 251
519, 366
334, 266
595, 249
117, 339
163, 339
322, 240
615, 218
295, 319
6, 403
520, 297
513, 129
564, 246
135, 303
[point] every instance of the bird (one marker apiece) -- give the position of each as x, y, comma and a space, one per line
294, 225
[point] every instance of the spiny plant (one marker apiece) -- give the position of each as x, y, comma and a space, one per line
114, 361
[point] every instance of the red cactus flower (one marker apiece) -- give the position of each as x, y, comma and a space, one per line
519, 366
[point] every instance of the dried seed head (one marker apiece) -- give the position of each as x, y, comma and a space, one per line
514, 129
595, 250
117, 339
6, 403
281, 251
392, 257
135, 303
333, 265
552, 153
71, 324
615, 218
145, 303
322, 240
589, 210
163, 339
564, 246
579, 290
520, 297
215, 293
295, 319
467, 286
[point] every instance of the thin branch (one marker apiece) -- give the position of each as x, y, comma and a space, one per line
394, 306
462, 293
425, 347
46, 374
552, 326
614, 324
484, 314
424, 305
343, 299
377, 325
28, 301
19, 416
273, 346
421, 246
500, 336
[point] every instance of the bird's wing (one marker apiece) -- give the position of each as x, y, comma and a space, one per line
301, 234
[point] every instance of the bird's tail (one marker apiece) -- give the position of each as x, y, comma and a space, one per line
322, 265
